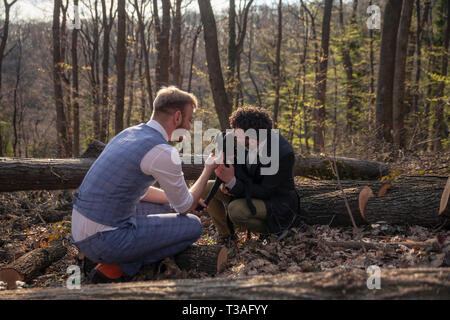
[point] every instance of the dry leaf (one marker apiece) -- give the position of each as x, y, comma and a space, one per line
364, 196
445, 195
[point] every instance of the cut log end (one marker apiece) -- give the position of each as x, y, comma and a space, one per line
222, 259
383, 189
10, 276
444, 198
364, 196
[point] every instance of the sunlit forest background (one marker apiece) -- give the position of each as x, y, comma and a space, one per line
353, 77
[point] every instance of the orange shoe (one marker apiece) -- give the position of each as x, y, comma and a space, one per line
106, 273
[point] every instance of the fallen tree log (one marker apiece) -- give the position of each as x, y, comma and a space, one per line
426, 283
408, 205
31, 264
17, 174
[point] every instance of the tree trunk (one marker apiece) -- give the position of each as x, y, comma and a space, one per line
221, 102
385, 86
121, 65
321, 81
398, 94
31, 264
61, 126
411, 283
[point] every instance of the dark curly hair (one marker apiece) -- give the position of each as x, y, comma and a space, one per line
250, 117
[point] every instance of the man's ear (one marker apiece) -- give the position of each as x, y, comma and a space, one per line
178, 117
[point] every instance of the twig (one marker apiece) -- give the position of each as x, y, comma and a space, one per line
334, 168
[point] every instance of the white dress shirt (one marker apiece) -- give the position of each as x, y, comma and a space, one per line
164, 164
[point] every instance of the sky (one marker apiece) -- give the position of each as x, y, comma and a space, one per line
43, 9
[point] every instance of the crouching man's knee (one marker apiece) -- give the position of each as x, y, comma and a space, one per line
195, 225
238, 211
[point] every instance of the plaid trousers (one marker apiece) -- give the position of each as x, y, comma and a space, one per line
149, 236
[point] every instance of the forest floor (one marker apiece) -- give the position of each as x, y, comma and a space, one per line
29, 220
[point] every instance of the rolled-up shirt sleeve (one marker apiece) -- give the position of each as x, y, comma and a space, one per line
164, 164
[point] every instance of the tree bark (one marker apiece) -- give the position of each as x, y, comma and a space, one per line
221, 102
413, 283
31, 264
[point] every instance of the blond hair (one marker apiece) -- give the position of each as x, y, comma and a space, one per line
171, 99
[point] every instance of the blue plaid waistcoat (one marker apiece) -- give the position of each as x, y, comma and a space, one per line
115, 182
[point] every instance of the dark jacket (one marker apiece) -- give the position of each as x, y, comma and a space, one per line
277, 191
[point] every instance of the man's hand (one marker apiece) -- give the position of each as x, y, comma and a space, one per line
212, 162
225, 174
200, 202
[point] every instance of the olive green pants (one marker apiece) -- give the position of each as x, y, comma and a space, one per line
238, 211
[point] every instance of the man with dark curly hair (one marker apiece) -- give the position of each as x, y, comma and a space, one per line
253, 200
